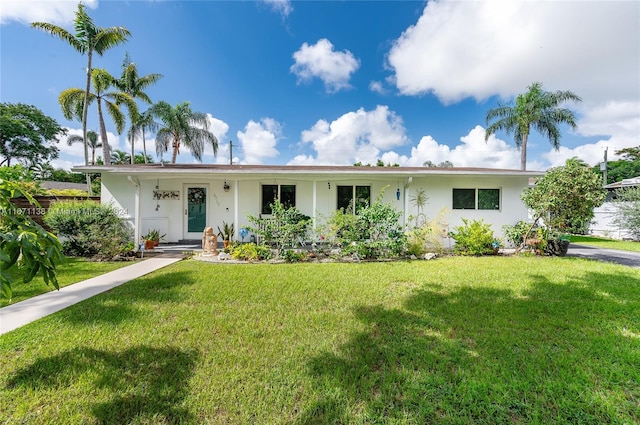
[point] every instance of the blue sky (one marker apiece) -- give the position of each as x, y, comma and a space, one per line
336, 82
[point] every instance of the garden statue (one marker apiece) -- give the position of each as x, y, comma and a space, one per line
209, 241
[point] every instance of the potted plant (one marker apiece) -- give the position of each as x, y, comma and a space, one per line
152, 238
558, 244
226, 233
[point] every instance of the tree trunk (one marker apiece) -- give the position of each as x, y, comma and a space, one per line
131, 139
523, 152
85, 108
144, 147
176, 147
103, 135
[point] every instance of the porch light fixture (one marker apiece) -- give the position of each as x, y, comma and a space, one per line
226, 186
398, 194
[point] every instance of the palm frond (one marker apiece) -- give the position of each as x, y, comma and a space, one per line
62, 34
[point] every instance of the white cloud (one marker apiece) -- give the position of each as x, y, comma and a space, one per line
283, 7
472, 152
59, 12
75, 152
377, 87
64, 164
355, 136
461, 49
619, 122
258, 141
321, 61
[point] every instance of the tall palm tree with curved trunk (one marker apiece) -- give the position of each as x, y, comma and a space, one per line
134, 85
537, 109
182, 126
88, 39
92, 142
72, 103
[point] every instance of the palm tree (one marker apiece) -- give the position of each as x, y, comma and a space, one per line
72, 103
88, 39
130, 83
538, 109
182, 126
119, 157
143, 123
92, 142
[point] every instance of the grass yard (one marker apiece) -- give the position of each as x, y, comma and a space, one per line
606, 243
73, 270
452, 341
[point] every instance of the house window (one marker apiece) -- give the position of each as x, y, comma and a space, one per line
471, 199
347, 195
270, 192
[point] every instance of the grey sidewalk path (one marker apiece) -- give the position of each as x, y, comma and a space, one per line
626, 258
27, 311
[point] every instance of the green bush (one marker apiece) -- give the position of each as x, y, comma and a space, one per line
250, 252
374, 232
474, 237
285, 228
515, 233
291, 256
89, 229
427, 236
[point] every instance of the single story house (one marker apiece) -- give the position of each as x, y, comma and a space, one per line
180, 200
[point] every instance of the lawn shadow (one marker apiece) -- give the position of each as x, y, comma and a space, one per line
118, 304
142, 384
554, 353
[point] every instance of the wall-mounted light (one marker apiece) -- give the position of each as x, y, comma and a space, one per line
226, 186
398, 194
329, 185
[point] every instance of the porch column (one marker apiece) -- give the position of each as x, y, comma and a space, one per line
136, 211
236, 209
315, 202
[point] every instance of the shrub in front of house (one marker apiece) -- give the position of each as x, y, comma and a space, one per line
474, 237
250, 252
88, 229
374, 232
285, 228
427, 236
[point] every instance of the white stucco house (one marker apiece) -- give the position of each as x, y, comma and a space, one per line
181, 199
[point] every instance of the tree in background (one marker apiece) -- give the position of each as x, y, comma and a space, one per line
27, 135
134, 85
628, 166
182, 126
144, 122
72, 104
88, 39
564, 198
537, 109
119, 157
93, 143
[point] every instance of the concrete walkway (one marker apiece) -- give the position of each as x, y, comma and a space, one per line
27, 311
626, 258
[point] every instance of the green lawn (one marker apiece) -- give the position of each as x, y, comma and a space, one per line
73, 270
457, 340
606, 243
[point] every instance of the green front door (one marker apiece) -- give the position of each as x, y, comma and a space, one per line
196, 213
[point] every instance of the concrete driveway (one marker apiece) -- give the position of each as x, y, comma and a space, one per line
626, 258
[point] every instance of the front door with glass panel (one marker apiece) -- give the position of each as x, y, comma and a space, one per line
195, 210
